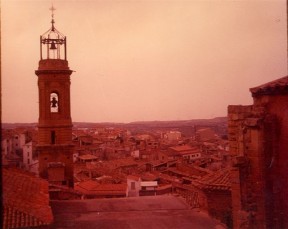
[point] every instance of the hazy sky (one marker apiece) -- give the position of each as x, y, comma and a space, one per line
145, 59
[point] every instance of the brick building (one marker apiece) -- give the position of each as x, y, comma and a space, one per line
258, 136
55, 123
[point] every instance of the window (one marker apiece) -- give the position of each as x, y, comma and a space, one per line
53, 137
28, 161
133, 187
54, 102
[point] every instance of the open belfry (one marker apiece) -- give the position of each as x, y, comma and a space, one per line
55, 148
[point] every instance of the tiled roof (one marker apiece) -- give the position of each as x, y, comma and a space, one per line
219, 180
87, 157
168, 177
25, 200
171, 153
149, 177
102, 169
182, 148
123, 162
181, 173
185, 170
157, 162
279, 86
193, 151
93, 188
133, 177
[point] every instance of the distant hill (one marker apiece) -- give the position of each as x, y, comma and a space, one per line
172, 123
18, 125
219, 124
187, 127
182, 122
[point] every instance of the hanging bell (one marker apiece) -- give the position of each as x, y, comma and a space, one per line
54, 102
53, 46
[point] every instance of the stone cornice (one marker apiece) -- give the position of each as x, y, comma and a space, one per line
276, 87
42, 72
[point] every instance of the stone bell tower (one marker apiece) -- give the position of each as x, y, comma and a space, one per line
55, 148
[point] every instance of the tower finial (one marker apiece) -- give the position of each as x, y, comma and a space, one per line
53, 39
52, 15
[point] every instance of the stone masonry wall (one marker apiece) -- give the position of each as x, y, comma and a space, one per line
246, 137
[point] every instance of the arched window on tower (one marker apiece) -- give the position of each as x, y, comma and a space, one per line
54, 102
53, 137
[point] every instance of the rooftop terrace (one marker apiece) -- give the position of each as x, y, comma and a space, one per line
127, 213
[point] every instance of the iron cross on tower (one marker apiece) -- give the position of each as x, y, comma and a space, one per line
52, 14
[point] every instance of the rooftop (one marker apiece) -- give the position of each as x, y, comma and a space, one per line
219, 180
88, 157
279, 86
182, 148
133, 177
135, 212
90, 187
25, 200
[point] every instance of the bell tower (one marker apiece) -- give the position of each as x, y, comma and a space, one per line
55, 148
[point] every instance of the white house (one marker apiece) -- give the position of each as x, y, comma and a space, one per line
134, 185
173, 135
148, 188
135, 153
191, 156
30, 163
18, 141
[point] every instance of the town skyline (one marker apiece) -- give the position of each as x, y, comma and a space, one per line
145, 61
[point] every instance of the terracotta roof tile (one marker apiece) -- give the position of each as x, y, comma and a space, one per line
279, 86
88, 157
134, 177
219, 180
25, 200
149, 177
182, 148
93, 188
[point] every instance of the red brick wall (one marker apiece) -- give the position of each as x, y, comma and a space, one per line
54, 128
245, 133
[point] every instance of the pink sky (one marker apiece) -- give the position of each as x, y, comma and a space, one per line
145, 60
